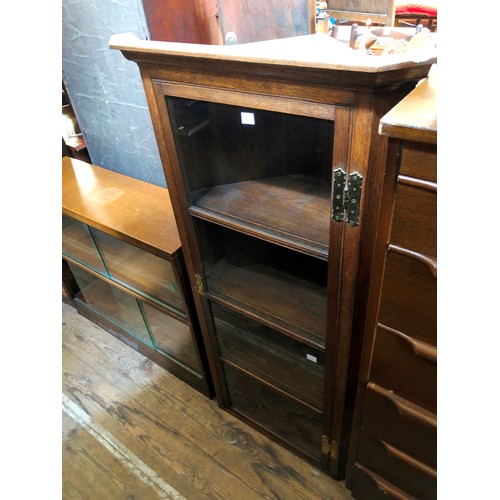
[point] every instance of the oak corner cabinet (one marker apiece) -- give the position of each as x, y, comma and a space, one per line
123, 268
272, 155
393, 450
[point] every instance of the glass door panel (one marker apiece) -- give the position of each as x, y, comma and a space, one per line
112, 304
292, 366
146, 273
78, 244
267, 171
283, 289
172, 337
291, 421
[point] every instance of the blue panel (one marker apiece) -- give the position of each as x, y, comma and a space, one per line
106, 90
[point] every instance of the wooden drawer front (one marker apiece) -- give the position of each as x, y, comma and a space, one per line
399, 424
414, 224
396, 366
419, 160
366, 485
408, 301
398, 468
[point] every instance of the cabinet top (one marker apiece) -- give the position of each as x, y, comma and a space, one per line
307, 52
133, 210
415, 117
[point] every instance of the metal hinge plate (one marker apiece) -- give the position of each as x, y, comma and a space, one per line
346, 196
325, 445
329, 448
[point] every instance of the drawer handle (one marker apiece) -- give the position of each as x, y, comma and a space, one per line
382, 486
412, 462
420, 348
425, 259
413, 181
404, 408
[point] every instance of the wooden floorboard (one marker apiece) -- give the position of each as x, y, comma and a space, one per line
137, 432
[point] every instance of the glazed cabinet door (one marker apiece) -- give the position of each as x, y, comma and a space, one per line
254, 177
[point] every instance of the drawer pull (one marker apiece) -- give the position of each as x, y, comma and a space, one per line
430, 262
413, 181
420, 348
383, 486
412, 462
405, 408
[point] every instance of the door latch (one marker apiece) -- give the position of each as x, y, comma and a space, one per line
200, 285
346, 196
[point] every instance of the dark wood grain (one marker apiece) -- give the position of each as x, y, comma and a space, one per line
415, 219
286, 303
398, 422
294, 210
367, 484
419, 160
412, 476
409, 298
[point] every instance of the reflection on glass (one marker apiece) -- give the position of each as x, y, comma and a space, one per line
172, 337
271, 170
294, 367
138, 269
287, 419
77, 243
112, 304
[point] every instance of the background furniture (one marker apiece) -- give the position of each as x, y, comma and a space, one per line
123, 267
267, 149
393, 447
414, 13
208, 21
381, 12
385, 12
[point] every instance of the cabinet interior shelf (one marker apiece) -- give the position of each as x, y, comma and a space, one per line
291, 210
291, 306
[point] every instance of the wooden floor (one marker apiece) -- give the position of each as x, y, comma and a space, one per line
133, 431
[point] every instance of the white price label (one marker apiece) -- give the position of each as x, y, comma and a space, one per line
312, 358
247, 118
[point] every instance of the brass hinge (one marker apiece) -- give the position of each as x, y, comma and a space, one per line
200, 285
329, 447
346, 196
325, 445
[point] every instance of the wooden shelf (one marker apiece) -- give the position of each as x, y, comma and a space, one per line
276, 299
291, 210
